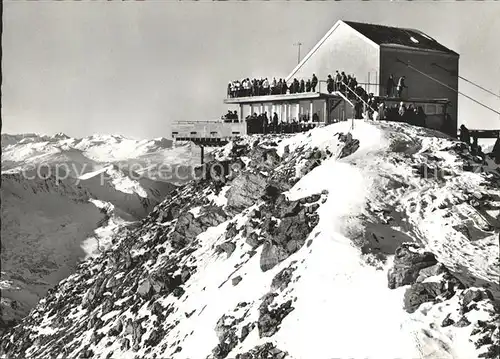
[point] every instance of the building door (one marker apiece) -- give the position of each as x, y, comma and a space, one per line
373, 83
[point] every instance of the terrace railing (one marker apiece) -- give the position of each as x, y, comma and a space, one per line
321, 87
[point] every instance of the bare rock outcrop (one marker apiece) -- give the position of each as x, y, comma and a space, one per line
264, 351
409, 259
270, 317
245, 190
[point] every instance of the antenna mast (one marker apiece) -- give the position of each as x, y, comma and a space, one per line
298, 44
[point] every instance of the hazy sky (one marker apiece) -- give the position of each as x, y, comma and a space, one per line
132, 67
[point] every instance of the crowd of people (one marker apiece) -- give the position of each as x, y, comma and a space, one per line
230, 116
411, 114
347, 84
263, 124
372, 108
262, 87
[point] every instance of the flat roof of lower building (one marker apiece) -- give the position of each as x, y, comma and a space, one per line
484, 133
279, 98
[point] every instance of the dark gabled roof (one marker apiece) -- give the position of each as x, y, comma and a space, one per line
387, 35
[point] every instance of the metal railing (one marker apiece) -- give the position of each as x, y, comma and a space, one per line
207, 129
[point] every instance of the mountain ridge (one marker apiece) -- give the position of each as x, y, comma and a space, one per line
304, 247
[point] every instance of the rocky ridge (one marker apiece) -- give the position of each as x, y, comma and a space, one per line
152, 293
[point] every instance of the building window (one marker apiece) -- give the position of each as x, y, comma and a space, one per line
430, 109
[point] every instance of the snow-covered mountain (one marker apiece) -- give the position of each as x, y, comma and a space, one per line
62, 200
377, 242
156, 159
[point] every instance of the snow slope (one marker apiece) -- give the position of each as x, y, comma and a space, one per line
291, 255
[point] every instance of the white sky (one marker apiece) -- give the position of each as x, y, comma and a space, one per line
132, 67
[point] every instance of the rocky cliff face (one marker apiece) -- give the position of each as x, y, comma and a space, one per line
49, 224
44, 222
324, 244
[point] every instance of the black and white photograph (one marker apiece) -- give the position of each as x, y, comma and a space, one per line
281, 179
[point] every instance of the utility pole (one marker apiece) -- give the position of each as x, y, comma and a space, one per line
298, 44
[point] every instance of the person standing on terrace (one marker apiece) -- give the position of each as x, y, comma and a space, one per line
390, 86
314, 83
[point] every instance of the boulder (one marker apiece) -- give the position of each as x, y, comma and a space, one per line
226, 247
447, 321
125, 344
154, 338
129, 327
231, 230
264, 351
169, 213
253, 240
245, 330
226, 332
289, 209
408, 261
282, 279
271, 255
420, 293
117, 328
144, 288
431, 271
463, 322
137, 334
292, 232
211, 216
188, 227
474, 295
270, 319
178, 292
245, 190
185, 274
236, 280
89, 297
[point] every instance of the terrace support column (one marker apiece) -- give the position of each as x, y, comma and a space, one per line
241, 113
261, 108
325, 114
298, 112
310, 111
